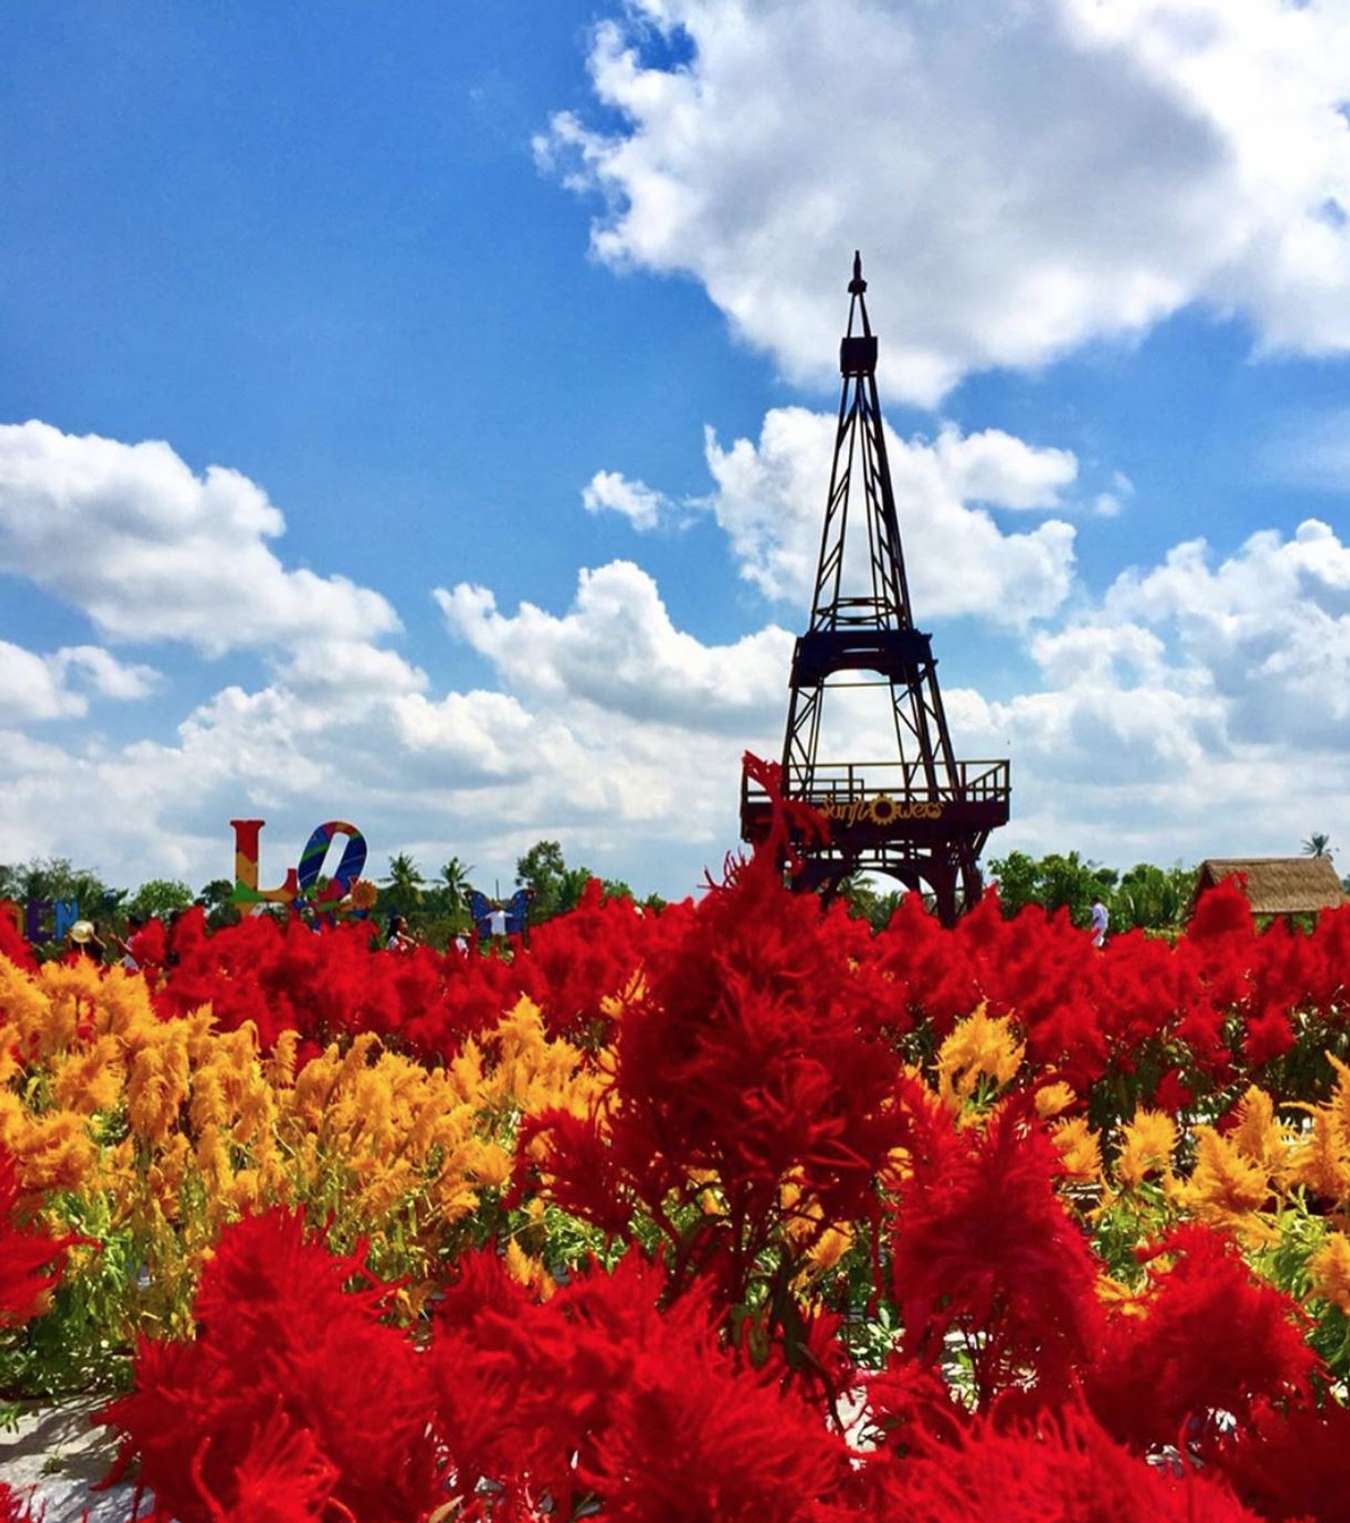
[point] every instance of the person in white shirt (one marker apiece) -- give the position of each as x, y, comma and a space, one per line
496, 921
398, 939
1100, 919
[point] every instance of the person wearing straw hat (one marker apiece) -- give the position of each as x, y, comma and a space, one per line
86, 941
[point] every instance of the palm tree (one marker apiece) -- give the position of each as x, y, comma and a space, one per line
455, 882
1317, 845
403, 886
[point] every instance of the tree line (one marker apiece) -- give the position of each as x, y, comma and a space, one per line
436, 908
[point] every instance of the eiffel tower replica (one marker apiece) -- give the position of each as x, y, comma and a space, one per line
921, 816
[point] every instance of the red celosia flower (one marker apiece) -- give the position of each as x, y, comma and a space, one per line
150, 945
1223, 910
1172, 1095
281, 1342
906, 1403
281, 1478
14, 944
585, 1175
1290, 1464
751, 1058
1062, 1469
31, 1261
1269, 1035
16, 1507
598, 1390
1173, 1366
983, 1247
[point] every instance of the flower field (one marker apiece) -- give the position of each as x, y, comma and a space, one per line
736, 1211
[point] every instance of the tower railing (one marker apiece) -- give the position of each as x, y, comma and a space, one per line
907, 782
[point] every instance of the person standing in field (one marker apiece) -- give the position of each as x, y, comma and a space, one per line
1101, 918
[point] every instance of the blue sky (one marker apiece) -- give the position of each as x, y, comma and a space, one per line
419, 272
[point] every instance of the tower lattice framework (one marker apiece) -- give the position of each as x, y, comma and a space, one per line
920, 816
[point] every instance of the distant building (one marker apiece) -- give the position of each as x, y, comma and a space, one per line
1278, 885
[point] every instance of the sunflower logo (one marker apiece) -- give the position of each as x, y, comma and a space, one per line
883, 810
364, 894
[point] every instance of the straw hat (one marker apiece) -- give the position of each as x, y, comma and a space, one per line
82, 930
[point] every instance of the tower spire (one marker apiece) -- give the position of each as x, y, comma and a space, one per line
921, 816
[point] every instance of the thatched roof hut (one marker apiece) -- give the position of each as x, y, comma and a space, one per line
1278, 885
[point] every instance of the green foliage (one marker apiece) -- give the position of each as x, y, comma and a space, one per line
160, 897
1302, 1232
868, 901
1152, 898
1146, 897
557, 888
80, 1344
401, 890
215, 900
453, 887
56, 878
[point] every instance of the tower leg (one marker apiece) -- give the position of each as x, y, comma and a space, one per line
941, 875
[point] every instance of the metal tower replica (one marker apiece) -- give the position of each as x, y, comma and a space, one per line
922, 816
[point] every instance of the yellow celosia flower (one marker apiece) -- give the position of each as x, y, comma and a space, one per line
1051, 1099
829, 1248
382, 1146
27, 1011
1225, 1189
124, 1009
1321, 1160
977, 1047
1258, 1136
72, 991
10, 1050
90, 1079
454, 1197
384, 1189
1079, 1148
1118, 1297
158, 1083
1329, 1269
1339, 1103
1146, 1147
528, 1271
490, 1164
279, 1068
54, 1152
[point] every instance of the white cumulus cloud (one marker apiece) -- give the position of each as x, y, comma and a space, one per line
1021, 178
129, 534
612, 492
771, 494
618, 649
49, 687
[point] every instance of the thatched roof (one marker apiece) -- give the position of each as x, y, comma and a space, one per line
1279, 885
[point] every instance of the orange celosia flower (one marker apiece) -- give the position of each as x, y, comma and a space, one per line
1146, 1148
1329, 1269
1225, 1189
978, 1047
1052, 1099
1079, 1148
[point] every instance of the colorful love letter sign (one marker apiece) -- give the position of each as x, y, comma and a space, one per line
246, 890
348, 868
